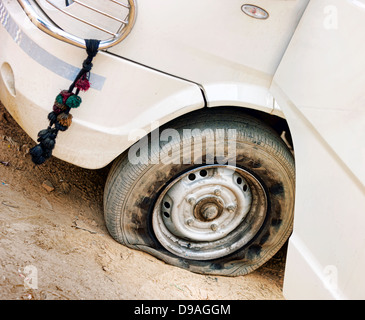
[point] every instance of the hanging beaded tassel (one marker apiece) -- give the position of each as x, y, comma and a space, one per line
60, 118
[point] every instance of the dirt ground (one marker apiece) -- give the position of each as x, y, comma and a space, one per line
54, 244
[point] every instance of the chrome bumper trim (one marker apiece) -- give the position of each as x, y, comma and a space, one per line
58, 33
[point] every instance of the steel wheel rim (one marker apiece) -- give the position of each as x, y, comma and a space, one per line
209, 212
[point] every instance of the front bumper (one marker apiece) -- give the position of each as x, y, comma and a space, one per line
124, 96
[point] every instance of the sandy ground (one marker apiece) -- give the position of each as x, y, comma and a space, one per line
54, 244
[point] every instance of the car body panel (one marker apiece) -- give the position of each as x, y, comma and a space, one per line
320, 87
215, 44
231, 55
114, 107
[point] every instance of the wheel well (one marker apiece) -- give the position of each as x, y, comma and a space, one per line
279, 124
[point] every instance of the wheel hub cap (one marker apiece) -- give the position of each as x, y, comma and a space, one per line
207, 211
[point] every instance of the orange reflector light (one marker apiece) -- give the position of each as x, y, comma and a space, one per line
255, 11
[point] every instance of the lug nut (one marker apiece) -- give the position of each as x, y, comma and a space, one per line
217, 192
214, 227
189, 222
191, 200
231, 208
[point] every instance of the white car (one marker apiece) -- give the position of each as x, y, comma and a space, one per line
202, 106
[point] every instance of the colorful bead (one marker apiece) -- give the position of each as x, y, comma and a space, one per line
73, 101
83, 84
64, 119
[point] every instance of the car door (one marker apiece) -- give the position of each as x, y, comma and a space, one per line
320, 86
